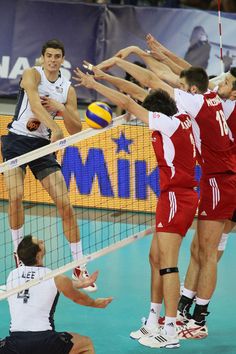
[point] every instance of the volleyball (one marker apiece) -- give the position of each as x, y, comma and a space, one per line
98, 115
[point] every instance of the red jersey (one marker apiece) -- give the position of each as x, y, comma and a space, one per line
211, 132
230, 115
174, 148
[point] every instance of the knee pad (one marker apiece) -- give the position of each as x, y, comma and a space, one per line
223, 242
169, 270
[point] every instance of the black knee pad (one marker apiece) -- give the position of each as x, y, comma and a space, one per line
169, 270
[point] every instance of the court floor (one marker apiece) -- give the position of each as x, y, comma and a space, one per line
124, 274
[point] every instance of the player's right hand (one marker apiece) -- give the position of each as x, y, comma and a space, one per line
57, 134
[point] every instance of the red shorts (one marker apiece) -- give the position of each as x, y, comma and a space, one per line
176, 210
217, 197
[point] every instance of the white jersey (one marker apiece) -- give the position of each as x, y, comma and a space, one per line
24, 121
32, 309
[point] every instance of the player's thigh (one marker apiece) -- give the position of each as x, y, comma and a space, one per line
14, 180
56, 187
209, 234
81, 344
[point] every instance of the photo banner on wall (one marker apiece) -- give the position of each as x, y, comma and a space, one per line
95, 32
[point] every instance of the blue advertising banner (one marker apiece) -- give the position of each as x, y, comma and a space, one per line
96, 32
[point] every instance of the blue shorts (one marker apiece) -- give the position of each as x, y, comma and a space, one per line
45, 342
14, 145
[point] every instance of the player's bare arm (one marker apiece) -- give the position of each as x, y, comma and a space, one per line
68, 111
119, 99
71, 114
66, 286
154, 45
168, 73
123, 85
30, 82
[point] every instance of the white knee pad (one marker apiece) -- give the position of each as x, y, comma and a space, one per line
223, 242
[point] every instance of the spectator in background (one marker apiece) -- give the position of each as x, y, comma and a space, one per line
198, 52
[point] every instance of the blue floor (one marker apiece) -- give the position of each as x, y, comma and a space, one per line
124, 274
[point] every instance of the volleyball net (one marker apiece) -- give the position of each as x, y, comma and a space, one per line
113, 184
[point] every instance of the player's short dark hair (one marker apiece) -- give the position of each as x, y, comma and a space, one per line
233, 73
160, 101
27, 251
196, 76
53, 43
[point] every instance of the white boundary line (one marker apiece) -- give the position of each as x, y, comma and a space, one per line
58, 145
83, 260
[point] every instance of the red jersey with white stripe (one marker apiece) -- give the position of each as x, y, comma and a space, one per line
211, 133
174, 148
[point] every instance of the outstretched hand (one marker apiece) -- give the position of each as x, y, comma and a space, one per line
98, 74
85, 80
153, 43
107, 64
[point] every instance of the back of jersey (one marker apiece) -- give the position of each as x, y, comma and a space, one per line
210, 130
33, 308
175, 150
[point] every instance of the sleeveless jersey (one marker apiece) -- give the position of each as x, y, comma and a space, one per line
174, 148
230, 115
211, 132
32, 309
24, 122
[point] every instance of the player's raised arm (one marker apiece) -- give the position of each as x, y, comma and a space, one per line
123, 85
169, 58
146, 77
119, 99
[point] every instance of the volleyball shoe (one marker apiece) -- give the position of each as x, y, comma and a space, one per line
82, 273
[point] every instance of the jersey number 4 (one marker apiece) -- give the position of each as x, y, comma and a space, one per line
24, 295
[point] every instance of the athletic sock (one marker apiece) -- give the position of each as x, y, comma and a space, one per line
154, 314
17, 237
170, 326
76, 250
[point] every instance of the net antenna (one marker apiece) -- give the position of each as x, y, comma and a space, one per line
220, 35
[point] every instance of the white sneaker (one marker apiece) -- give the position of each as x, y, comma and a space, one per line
144, 331
192, 330
82, 273
162, 340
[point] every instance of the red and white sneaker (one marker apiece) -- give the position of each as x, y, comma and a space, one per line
82, 273
192, 330
17, 261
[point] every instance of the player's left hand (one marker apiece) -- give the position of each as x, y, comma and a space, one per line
85, 80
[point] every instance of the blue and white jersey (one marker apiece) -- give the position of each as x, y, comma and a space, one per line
24, 121
32, 309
